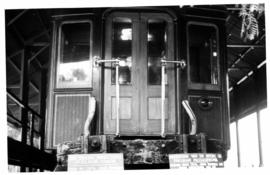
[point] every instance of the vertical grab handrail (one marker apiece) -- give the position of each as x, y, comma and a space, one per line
163, 66
99, 61
164, 62
192, 117
117, 96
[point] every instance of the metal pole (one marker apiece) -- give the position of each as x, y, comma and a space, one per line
238, 144
163, 99
178, 99
117, 96
259, 138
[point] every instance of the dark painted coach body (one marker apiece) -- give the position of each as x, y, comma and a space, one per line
157, 76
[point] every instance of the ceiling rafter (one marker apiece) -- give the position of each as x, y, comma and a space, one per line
17, 17
244, 45
243, 54
43, 23
18, 35
15, 53
247, 75
35, 87
39, 44
239, 68
32, 39
37, 53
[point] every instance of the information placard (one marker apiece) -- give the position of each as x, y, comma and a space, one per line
191, 160
104, 161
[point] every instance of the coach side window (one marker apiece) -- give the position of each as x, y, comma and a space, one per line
74, 53
203, 53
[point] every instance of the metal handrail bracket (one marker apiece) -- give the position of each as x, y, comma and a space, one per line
192, 117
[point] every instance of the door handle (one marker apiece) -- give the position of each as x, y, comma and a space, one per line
205, 103
98, 61
182, 63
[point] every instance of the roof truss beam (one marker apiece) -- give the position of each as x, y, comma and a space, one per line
245, 45
16, 17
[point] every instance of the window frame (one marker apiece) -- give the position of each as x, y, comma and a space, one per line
203, 86
59, 52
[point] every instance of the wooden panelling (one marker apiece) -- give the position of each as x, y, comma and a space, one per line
154, 108
209, 120
125, 108
70, 114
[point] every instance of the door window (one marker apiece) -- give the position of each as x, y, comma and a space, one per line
122, 48
156, 39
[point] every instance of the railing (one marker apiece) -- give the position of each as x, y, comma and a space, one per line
30, 124
33, 155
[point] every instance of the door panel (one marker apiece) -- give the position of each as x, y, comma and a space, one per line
156, 42
121, 43
125, 108
209, 118
140, 47
154, 108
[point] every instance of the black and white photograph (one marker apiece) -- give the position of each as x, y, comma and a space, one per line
126, 87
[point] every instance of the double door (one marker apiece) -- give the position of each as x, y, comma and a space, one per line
139, 41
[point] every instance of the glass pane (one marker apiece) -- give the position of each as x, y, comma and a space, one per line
36, 141
232, 160
248, 138
74, 65
13, 76
203, 54
13, 110
265, 130
37, 124
122, 49
15, 132
156, 39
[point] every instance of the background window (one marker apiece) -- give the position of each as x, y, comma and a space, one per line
265, 130
232, 160
74, 67
248, 138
